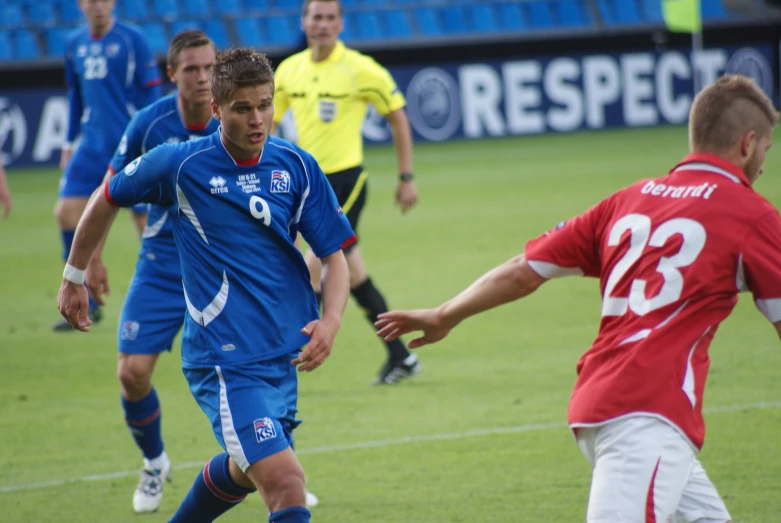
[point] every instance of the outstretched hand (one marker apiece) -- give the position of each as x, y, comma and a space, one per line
73, 303
393, 324
322, 334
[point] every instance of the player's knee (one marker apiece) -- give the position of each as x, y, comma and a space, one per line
285, 490
136, 380
67, 213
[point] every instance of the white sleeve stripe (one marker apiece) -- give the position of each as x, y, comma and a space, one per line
550, 270
740, 278
771, 308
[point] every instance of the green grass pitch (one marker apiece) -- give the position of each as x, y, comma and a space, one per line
479, 436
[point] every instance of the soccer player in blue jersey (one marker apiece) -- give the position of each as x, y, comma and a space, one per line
237, 200
154, 307
109, 67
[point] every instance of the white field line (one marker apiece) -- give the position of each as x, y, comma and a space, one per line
368, 445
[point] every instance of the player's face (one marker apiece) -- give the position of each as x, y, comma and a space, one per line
246, 119
322, 23
756, 160
192, 74
98, 12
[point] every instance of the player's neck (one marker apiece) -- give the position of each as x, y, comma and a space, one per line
321, 53
193, 116
98, 32
240, 156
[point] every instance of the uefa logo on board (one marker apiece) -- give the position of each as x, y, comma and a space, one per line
433, 104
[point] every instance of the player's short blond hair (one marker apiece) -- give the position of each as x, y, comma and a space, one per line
237, 68
726, 110
308, 2
187, 39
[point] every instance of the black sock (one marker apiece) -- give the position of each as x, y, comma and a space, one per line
319, 296
373, 304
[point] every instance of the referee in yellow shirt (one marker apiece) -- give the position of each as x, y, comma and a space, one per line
328, 87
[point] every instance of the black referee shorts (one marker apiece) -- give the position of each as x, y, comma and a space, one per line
349, 186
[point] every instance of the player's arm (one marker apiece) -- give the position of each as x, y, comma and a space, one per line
147, 74
75, 109
5, 192
144, 180
327, 231
506, 283
571, 249
761, 272
377, 86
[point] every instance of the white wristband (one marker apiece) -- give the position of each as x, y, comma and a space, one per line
73, 275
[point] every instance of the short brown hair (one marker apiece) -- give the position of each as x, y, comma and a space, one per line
308, 2
726, 110
237, 68
186, 40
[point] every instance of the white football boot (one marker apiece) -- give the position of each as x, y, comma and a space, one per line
149, 492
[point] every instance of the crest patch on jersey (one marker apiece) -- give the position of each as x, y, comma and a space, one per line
264, 429
280, 181
327, 110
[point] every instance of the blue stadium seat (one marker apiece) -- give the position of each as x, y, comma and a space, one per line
56, 39
651, 11
482, 18
248, 32
626, 11
349, 4
571, 13
539, 14
713, 10
368, 25
177, 26
256, 5
606, 12
453, 20
11, 16
41, 14
282, 30
428, 22
217, 31
5, 46
226, 7
165, 9
156, 36
195, 8
71, 14
398, 24
510, 17
286, 4
348, 31
25, 45
134, 11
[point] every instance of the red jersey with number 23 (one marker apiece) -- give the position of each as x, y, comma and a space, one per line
671, 254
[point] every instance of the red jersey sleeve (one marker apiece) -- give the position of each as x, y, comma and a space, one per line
572, 248
759, 267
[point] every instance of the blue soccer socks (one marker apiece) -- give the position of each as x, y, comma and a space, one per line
290, 515
143, 420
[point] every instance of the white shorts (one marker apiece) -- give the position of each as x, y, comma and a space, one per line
645, 471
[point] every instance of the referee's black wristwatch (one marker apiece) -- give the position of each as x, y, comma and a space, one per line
406, 177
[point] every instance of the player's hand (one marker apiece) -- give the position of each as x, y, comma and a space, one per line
391, 325
73, 302
96, 279
406, 195
65, 158
322, 334
5, 199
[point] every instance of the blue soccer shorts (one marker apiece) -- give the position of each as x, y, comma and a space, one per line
252, 407
84, 173
154, 307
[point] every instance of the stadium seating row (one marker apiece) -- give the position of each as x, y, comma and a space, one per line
32, 29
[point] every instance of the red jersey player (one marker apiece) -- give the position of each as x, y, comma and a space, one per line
671, 254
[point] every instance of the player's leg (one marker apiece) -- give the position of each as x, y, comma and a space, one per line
640, 469
151, 317
252, 411
81, 177
701, 502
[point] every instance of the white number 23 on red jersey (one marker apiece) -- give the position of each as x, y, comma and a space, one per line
642, 236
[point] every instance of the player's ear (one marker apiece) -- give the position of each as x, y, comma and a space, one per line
170, 73
748, 143
215, 110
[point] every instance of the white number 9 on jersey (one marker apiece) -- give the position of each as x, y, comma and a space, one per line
259, 209
95, 68
639, 227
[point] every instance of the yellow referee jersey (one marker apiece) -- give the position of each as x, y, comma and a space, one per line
329, 101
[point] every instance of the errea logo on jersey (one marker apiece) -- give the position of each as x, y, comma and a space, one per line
130, 169
218, 185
